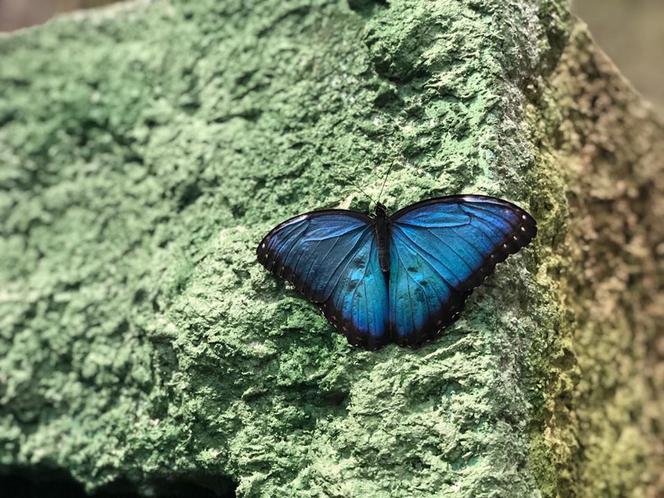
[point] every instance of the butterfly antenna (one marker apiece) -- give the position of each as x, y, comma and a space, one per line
385, 181
348, 179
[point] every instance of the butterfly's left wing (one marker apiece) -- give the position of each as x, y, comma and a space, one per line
440, 249
331, 257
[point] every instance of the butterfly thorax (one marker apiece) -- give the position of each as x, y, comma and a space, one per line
382, 228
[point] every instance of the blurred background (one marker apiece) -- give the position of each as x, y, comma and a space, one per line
15, 14
630, 31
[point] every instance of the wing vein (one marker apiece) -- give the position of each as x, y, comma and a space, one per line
345, 262
285, 259
313, 261
492, 213
419, 246
364, 274
448, 246
410, 297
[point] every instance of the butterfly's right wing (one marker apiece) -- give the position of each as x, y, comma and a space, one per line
332, 258
440, 250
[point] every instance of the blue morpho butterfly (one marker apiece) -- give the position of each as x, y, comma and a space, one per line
401, 278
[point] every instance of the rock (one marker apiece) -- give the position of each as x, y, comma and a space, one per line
147, 148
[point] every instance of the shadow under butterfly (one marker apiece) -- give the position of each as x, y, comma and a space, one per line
402, 278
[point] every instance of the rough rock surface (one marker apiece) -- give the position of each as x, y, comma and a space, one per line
145, 150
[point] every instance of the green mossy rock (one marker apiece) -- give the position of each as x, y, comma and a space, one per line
144, 151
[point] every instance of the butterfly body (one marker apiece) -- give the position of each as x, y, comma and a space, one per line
381, 228
398, 278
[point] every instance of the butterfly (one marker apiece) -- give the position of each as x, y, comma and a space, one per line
399, 278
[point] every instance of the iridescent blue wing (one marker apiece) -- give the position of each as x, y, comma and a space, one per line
440, 249
332, 258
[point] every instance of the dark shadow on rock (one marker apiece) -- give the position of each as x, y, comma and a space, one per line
39, 482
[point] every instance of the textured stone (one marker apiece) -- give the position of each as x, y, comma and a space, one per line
145, 150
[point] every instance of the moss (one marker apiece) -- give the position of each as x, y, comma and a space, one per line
146, 150
604, 380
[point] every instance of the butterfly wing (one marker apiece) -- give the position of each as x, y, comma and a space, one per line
332, 258
440, 250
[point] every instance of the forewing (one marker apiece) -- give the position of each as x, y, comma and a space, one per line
332, 259
440, 250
